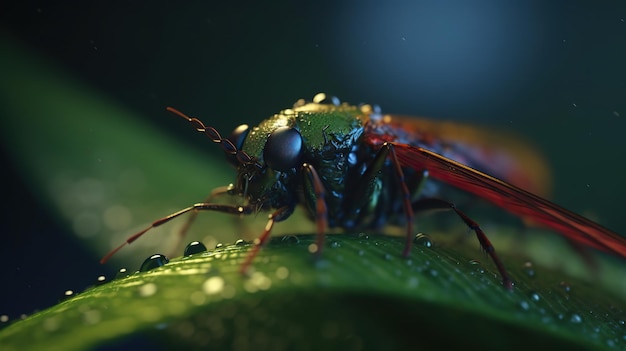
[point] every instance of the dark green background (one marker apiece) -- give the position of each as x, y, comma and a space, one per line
238, 62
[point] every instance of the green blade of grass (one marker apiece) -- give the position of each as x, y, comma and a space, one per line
359, 295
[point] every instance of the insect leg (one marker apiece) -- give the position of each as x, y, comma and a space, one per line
276, 216
406, 199
232, 209
485, 244
366, 194
312, 181
219, 191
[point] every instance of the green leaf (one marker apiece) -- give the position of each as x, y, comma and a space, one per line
360, 294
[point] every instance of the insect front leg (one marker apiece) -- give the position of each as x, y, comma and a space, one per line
276, 216
485, 244
232, 209
314, 191
217, 192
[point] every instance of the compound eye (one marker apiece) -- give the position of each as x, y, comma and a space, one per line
237, 137
283, 149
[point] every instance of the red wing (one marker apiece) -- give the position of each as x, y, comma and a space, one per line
512, 198
495, 152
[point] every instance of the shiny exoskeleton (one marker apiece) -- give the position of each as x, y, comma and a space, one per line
354, 168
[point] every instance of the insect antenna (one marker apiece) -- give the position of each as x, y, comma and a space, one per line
215, 137
230, 149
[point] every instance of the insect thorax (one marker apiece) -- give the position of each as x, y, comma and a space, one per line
330, 134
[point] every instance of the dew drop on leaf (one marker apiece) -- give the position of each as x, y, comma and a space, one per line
534, 296
122, 273
575, 318
101, 280
565, 286
154, 261
194, 247
422, 239
66, 295
477, 266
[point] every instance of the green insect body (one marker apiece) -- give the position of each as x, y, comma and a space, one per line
329, 133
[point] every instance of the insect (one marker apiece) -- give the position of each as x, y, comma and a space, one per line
355, 168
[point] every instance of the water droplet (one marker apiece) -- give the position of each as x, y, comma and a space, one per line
290, 239
534, 296
363, 236
477, 266
101, 280
322, 98
241, 242
335, 244
66, 295
387, 257
565, 286
319, 97
527, 268
152, 262
219, 245
4, 318
194, 247
422, 240
575, 318
122, 273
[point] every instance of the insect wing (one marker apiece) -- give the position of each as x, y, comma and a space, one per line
501, 154
513, 199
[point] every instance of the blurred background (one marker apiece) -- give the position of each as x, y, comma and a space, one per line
89, 154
